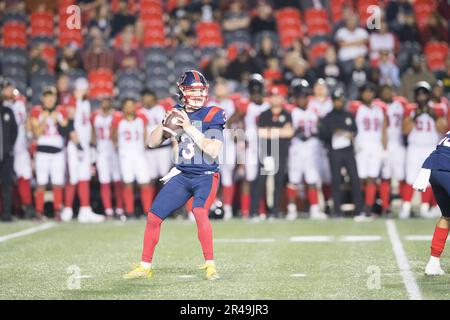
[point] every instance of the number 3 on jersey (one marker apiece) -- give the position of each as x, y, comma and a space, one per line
187, 147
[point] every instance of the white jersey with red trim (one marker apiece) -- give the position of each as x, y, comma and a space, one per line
81, 121
154, 115
424, 132
130, 133
102, 123
395, 113
253, 112
369, 121
320, 106
51, 136
305, 120
20, 114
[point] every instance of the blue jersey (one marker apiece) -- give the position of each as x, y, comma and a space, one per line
439, 159
191, 159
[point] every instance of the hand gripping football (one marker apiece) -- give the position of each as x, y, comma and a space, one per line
171, 129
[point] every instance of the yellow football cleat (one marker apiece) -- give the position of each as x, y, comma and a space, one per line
211, 271
139, 272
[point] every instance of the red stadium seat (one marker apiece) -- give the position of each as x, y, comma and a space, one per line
118, 42
422, 10
209, 34
154, 37
289, 26
312, 15
288, 35
42, 24
49, 55
318, 50
101, 83
336, 8
318, 29
436, 52
14, 35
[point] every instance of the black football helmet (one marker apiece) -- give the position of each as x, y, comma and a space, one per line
256, 84
299, 88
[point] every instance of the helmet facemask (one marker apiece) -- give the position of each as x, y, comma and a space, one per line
194, 96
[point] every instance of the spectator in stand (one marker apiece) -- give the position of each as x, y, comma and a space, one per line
358, 76
205, 10
381, 40
216, 67
235, 19
272, 73
70, 59
183, 31
35, 62
180, 10
102, 20
264, 19
444, 76
279, 4
389, 72
98, 56
122, 18
330, 70
408, 31
266, 52
65, 96
243, 66
127, 57
435, 29
300, 70
417, 72
309, 4
352, 40
396, 11
443, 7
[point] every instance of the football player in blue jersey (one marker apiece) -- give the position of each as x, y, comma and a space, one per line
196, 173
436, 171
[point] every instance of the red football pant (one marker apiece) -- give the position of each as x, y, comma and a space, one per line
227, 195
83, 189
57, 199
438, 242
129, 199
105, 194
385, 190
245, 204
371, 190
204, 231
151, 236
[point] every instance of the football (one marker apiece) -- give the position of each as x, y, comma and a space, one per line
170, 127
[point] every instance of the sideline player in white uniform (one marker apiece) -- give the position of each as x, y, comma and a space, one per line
22, 159
302, 164
256, 106
159, 159
370, 143
107, 160
423, 127
79, 157
227, 158
49, 126
129, 131
321, 103
393, 166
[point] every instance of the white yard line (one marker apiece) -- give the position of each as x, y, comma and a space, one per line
244, 240
405, 270
28, 231
311, 239
417, 237
359, 238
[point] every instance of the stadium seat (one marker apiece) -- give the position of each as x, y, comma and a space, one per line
154, 37
209, 34
101, 83
13, 56
422, 10
14, 34
13, 17
289, 26
318, 51
41, 24
49, 55
336, 9
436, 52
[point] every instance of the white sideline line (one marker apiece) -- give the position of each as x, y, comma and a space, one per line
346, 238
405, 270
244, 240
28, 231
